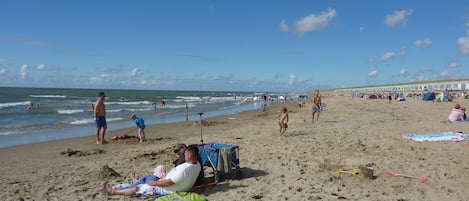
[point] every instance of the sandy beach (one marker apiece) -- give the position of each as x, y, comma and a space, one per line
298, 166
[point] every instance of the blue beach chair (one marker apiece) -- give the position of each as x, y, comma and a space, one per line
222, 158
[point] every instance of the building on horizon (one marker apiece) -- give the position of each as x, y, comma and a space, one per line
457, 85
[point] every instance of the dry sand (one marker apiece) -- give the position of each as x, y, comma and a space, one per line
298, 166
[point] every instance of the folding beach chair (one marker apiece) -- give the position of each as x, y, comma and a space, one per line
222, 158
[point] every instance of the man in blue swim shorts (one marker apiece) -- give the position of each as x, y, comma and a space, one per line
99, 112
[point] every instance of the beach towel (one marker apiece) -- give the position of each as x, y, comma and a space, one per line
433, 137
181, 196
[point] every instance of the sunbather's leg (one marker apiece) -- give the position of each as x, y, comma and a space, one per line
108, 189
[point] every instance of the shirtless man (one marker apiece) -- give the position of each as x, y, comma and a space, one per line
316, 101
100, 118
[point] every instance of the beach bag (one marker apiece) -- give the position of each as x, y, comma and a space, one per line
181, 196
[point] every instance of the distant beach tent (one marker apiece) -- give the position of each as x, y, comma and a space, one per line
429, 96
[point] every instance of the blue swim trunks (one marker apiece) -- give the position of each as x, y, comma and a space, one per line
101, 121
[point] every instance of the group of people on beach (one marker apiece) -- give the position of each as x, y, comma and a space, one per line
187, 173
187, 170
99, 112
316, 109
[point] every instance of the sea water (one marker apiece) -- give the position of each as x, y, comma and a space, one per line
67, 113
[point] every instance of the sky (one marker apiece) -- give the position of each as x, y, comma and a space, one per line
242, 45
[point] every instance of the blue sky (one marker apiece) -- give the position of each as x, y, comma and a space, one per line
231, 45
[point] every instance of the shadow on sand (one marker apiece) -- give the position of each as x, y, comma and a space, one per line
245, 173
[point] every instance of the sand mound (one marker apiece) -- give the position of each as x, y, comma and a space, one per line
71, 152
106, 173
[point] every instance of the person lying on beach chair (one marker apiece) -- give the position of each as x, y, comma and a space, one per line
179, 179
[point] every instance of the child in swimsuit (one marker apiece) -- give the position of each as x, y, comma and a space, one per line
283, 120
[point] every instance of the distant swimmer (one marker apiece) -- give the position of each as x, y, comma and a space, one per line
32, 107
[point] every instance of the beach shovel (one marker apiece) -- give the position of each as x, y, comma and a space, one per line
396, 174
353, 171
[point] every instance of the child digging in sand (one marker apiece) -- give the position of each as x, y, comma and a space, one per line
140, 126
283, 120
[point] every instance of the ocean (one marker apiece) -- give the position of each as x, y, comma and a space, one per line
57, 113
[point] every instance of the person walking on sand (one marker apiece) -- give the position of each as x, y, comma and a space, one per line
99, 112
316, 108
283, 120
140, 126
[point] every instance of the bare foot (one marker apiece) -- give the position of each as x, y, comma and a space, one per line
98, 142
134, 178
107, 188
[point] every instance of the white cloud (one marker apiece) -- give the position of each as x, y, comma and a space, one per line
94, 79
292, 80
445, 74
403, 51
426, 70
101, 79
41, 67
24, 71
313, 22
463, 43
3, 60
283, 26
370, 60
419, 78
387, 56
423, 43
3, 72
398, 17
134, 72
373, 73
403, 73
453, 64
